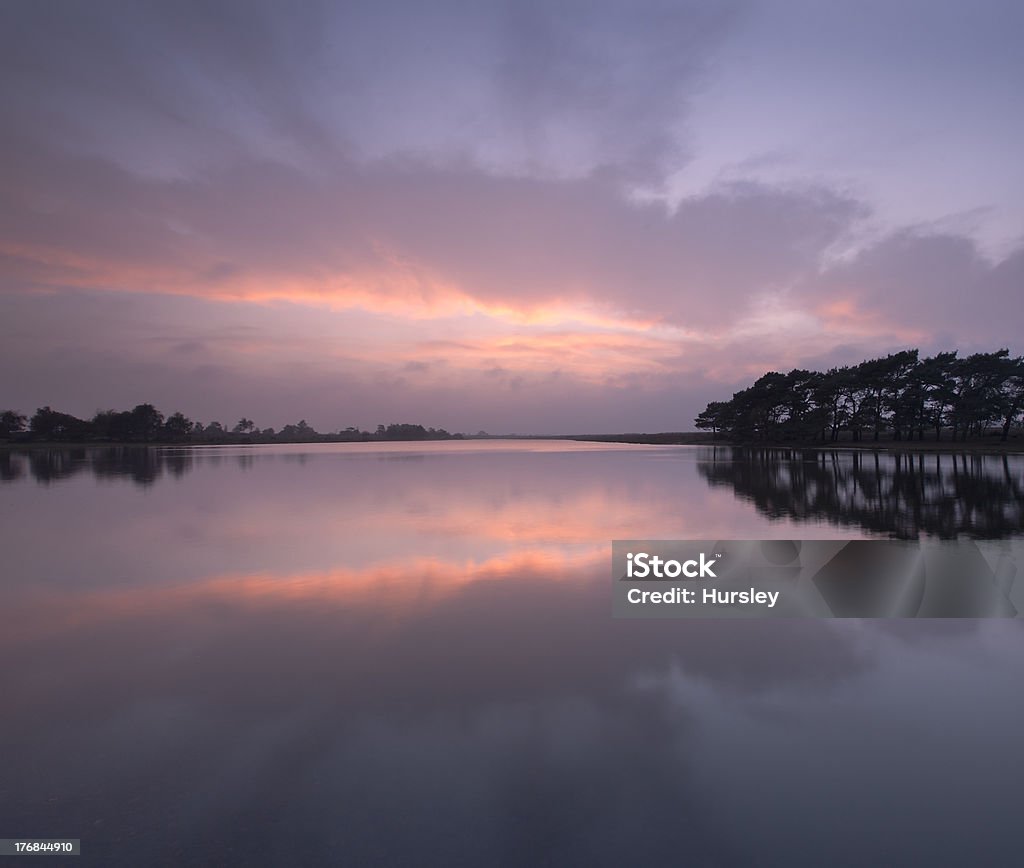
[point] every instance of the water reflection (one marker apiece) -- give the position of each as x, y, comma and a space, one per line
509, 721
899, 494
362, 657
896, 494
140, 464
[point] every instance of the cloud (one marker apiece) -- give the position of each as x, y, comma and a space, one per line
939, 284
410, 238
411, 207
168, 90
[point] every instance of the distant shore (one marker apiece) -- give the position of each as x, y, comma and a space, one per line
988, 445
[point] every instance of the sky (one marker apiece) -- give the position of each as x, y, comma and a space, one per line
530, 217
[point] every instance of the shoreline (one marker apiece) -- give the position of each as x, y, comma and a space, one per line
1013, 446
1010, 447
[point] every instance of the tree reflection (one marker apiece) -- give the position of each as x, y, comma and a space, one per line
139, 464
899, 494
11, 468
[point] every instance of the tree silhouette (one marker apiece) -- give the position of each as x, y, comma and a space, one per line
178, 427
11, 423
145, 424
48, 424
898, 395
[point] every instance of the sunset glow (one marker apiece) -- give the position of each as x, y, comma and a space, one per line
358, 236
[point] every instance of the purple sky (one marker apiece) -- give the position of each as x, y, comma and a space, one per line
538, 217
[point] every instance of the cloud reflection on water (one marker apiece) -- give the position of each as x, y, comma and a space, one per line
300, 660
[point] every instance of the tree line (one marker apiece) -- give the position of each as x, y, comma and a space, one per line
145, 424
902, 397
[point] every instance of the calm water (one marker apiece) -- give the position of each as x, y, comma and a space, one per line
366, 654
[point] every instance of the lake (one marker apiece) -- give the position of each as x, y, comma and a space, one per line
363, 654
